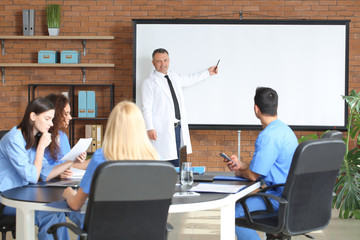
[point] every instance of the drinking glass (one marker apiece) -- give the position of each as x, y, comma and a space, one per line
187, 175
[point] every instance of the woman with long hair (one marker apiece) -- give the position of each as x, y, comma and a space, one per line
125, 139
60, 145
22, 159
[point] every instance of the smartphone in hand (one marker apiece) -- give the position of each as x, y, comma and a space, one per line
226, 156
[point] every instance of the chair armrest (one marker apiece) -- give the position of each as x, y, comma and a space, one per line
263, 190
265, 197
52, 230
169, 227
278, 199
271, 187
1, 209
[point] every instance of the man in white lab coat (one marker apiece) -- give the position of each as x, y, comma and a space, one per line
163, 106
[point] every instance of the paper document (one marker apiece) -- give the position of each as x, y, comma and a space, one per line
77, 173
217, 188
80, 147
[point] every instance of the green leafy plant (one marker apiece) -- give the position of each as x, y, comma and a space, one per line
53, 12
347, 186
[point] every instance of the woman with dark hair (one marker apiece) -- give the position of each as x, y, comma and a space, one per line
22, 160
60, 145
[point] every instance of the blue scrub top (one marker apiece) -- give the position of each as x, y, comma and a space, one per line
17, 163
274, 150
64, 148
97, 159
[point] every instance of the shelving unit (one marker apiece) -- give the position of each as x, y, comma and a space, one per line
71, 91
82, 38
83, 66
60, 65
71, 87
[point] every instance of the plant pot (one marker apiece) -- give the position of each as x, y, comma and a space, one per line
53, 31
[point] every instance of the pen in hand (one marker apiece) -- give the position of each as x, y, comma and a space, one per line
217, 65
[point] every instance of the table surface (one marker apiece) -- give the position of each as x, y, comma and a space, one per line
41, 194
27, 199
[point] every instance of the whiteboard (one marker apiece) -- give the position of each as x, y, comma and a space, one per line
306, 62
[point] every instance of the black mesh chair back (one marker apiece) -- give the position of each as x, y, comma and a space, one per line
310, 184
306, 201
130, 200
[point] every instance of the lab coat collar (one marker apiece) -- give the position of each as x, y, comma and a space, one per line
161, 81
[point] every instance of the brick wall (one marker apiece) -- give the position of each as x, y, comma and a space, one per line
113, 17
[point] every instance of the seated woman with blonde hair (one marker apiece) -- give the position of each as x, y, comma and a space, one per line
125, 139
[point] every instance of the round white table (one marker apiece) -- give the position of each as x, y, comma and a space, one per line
28, 199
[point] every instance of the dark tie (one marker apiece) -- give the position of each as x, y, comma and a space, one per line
176, 103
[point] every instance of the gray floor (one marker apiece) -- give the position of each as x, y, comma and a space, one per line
204, 225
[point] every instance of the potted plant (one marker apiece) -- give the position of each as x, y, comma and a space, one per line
53, 19
347, 186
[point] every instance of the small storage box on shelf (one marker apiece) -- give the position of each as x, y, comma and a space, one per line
70, 57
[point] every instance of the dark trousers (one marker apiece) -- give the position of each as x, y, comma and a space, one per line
176, 162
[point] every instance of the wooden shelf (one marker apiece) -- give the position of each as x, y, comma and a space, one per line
82, 38
83, 66
57, 37
86, 119
61, 65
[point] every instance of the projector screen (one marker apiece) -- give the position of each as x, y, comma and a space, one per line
306, 62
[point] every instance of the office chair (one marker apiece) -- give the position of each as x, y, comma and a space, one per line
305, 204
2, 133
7, 223
333, 134
127, 200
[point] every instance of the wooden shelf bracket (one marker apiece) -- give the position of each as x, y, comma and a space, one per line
3, 74
84, 46
83, 74
3, 46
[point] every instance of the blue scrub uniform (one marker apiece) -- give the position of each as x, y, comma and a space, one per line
97, 159
17, 169
64, 148
274, 150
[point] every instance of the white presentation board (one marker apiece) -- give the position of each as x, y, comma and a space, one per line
306, 62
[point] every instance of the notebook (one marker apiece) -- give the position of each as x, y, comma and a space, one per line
64, 183
75, 183
203, 178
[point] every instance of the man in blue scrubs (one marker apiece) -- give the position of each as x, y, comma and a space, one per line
274, 149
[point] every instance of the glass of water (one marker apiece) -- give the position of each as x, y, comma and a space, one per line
187, 175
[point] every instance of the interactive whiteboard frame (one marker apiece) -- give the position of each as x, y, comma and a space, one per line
305, 61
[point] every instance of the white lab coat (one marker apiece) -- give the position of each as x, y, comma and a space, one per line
159, 113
